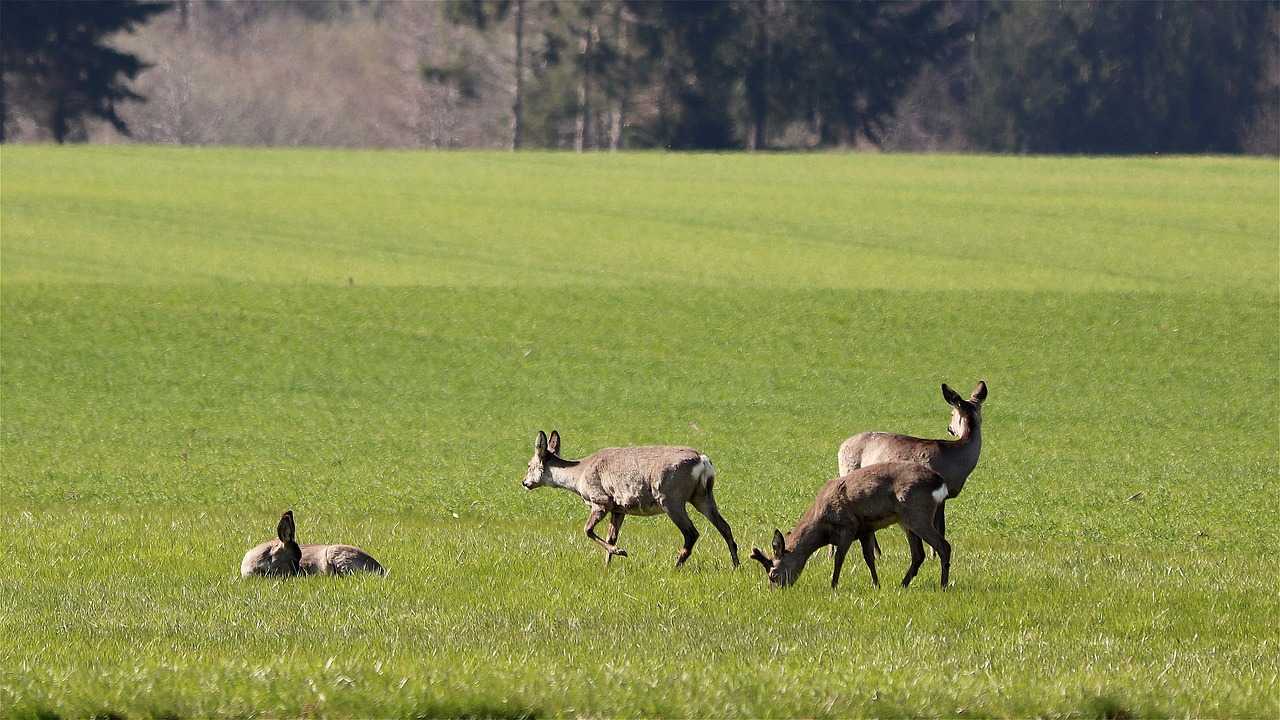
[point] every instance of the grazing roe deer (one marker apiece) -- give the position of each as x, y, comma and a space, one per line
952, 459
852, 507
283, 556
633, 481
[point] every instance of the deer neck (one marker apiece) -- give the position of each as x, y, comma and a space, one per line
566, 474
805, 540
968, 445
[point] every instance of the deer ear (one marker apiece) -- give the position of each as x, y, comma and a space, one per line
950, 395
779, 544
540, 443
979, 393
285, 530
758, 555
553, 444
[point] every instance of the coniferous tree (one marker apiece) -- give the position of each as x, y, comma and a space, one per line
56, 60
848, 64
1119, 77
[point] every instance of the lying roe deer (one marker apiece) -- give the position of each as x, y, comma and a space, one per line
283, 556
852, 507
633, 481
952, 459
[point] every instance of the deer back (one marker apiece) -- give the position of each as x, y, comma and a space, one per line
338, 560
640, 479
949, 458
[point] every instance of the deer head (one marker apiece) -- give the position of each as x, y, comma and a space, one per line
280, 557
785, 566
539, 472
964, 412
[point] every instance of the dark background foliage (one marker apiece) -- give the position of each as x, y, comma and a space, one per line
1043, 77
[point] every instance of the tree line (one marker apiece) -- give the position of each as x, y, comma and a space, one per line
984, 75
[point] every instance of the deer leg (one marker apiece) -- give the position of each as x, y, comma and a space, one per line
841, 547
940, 521
917, 556
615, 527
707, 506
875, 546
597, 514
680, 517
930, 534
868, 542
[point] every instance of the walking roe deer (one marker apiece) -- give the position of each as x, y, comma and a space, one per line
952, 459
633, 481
284, 557
852, 507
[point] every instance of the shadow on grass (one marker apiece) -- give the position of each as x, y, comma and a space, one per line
473, 711
459, 711
44, 713
1107, 707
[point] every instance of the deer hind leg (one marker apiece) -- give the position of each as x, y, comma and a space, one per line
931, 535
597, 514
707, 506
940, 521
615, 527
676, 511
868, 542
917, 556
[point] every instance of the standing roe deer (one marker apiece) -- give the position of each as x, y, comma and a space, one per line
852, 507
283, 556
952, 459
633, 481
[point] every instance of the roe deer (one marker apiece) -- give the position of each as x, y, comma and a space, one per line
852, 507
952, 459
633, 481
283, 556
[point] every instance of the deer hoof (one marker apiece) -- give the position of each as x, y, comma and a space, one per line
619, 552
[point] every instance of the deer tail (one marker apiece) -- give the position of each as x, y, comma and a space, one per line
705, 473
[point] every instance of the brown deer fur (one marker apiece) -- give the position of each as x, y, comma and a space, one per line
952, 459
633, 481
284, 556
852, 507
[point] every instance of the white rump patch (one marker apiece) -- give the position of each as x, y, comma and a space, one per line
704, 470
941, 493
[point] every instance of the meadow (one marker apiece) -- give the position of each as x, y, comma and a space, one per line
193, 340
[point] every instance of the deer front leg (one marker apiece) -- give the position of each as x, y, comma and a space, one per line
615, 527
874, 547
597, 514
841, 547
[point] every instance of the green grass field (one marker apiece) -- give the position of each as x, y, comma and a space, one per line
192, 341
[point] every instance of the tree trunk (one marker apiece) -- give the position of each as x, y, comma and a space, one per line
621, 91
58, 120
4, 106
517, 107
757, 80
582, 128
